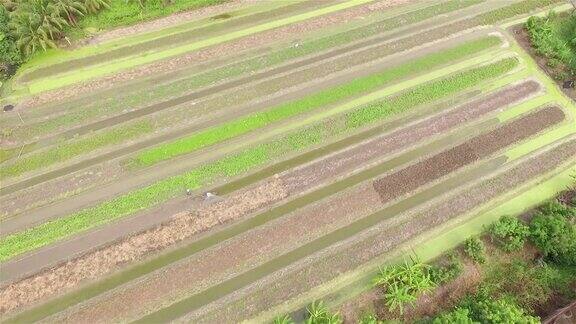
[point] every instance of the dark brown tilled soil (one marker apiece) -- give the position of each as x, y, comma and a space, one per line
479, 147
291, 282
310, 174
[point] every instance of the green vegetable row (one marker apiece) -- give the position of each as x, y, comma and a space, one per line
68, 150
244, 161
321, 99
81, 112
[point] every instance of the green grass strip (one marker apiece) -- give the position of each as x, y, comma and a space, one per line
100, 70
261, 119
69, 150
243, 162
163, 91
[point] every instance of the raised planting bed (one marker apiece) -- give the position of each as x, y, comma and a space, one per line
164, 92
380, 240
147, 197
293, 182
172, 40
150, 125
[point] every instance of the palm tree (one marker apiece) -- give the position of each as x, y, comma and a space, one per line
70, 9
283, 319
318, 314
94, 6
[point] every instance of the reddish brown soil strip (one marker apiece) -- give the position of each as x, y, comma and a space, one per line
233, 47
308, 175
477, 148
139, 245
327, 265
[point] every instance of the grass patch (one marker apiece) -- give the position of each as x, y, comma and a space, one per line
554, 37
239, 163
69, 150
258, 120
122, 12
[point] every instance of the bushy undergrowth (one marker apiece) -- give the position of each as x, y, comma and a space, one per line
446, 270
481, 308
554, 37
510, 233
323, 98
553, 231
475, 250
237, 164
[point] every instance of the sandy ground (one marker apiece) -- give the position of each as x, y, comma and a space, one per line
309, 176
286, 284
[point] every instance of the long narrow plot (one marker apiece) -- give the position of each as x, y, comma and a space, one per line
265, 193
240, 163
287, 284
438, 166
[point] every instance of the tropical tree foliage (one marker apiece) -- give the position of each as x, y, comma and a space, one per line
510, 233
403, 283
28, 26
318, 313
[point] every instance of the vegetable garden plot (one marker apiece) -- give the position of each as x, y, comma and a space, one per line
380, 240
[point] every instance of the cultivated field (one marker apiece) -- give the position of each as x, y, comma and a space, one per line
258, 156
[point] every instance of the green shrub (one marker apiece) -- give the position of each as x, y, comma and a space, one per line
475, 249
510, 233
456, 316
554, 235
10, 56
551, 37
503, 311
448, 270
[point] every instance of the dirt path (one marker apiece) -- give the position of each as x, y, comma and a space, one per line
323, 266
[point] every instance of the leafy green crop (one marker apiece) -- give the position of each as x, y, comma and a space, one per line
164, 90
68, 150
359, 86
242, 162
